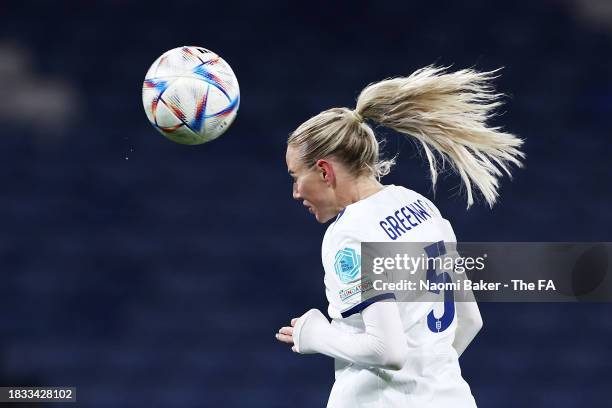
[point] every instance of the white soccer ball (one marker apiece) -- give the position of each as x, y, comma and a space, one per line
190, 95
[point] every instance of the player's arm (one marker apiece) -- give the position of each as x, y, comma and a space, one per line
382, 344
469, 323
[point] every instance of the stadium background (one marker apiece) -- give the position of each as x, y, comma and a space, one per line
147, 273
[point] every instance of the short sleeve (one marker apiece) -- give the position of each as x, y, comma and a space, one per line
347, 292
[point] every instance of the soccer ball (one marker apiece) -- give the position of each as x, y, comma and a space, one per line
190, 95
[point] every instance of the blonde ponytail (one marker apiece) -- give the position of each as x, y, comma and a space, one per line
447, 114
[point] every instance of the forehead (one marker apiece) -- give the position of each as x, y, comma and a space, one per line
293, 160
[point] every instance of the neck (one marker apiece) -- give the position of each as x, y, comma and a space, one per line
357, 190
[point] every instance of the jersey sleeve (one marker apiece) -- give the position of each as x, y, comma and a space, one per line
347, 292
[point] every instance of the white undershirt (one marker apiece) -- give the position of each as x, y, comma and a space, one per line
382, 344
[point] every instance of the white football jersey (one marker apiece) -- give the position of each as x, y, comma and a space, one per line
431, 376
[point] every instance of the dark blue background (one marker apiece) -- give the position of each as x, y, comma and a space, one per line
161, 280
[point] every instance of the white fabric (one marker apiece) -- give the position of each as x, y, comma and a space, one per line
431, 376
360, 222
469, 323
381, 345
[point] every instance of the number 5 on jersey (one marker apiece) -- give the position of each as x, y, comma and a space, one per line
439, 324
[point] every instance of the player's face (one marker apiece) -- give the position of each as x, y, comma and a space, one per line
310, 188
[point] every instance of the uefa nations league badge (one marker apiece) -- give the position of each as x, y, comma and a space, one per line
347, 265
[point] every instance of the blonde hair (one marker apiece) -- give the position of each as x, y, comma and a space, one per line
445, 111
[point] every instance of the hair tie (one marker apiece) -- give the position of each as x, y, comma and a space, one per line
357, 116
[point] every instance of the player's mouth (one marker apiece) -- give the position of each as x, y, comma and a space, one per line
310, 209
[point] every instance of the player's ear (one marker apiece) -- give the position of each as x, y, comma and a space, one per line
326, 171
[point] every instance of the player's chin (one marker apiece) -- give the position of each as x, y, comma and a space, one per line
314, 212
321, 218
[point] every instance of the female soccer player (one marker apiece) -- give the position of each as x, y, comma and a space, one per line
393, 354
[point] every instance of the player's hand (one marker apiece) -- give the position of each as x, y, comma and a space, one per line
285, 334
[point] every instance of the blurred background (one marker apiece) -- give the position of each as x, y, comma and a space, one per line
151, 274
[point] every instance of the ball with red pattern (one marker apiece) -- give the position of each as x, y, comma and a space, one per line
190, 95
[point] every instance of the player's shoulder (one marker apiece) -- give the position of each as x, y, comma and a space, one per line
389, 198
342, 228
406, 195
360, 221
351, 220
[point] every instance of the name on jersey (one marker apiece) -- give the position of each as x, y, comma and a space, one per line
404, 219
